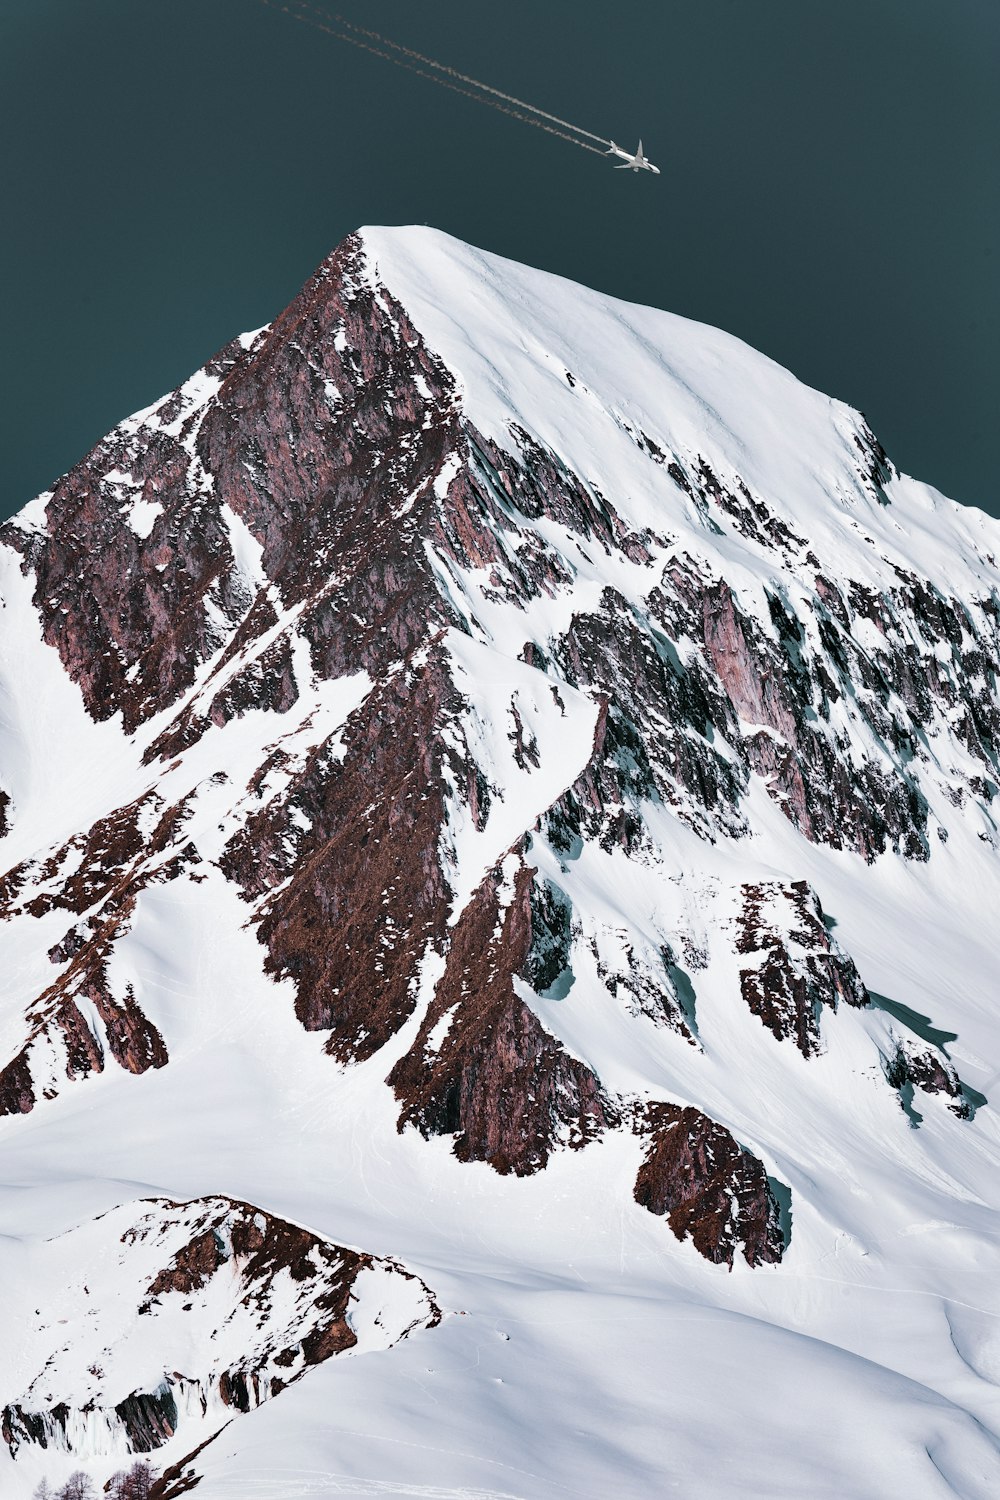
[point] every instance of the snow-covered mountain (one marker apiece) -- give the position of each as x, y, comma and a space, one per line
498, 807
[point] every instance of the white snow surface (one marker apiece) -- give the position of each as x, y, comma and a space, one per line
584, 1352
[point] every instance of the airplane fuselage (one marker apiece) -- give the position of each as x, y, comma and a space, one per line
634, 161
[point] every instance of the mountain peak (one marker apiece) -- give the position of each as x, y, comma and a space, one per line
502, 780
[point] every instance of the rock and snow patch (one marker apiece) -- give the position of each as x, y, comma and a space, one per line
790, 965
163, 1319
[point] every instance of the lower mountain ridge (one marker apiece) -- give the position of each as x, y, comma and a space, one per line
498, 864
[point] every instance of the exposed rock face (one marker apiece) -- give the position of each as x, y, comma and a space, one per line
709, 1188
483, 1067
263, 1299
549, 950
17, 1092
350, 848
89, 867
796, 968
771, 690
99, 877
63, 1041
912, 1066
653, 742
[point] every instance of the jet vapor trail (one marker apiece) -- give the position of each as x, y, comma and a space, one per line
454, 73
405, 57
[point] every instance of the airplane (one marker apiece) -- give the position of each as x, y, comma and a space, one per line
635, 162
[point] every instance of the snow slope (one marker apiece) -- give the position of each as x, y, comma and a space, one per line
504, 781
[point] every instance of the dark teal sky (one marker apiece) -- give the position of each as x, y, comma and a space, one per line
173, 170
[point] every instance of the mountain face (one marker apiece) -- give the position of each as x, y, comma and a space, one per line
507, 780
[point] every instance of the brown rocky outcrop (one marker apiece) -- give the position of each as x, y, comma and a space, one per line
708, 1187
17, 1092
135, 1042
795, 967
779, 697
180, 1478
57, 1028
110, 599
85, 870
483, 1067
258, 1247
98, 875
699, 666
654, 740
352, 846
912, 1066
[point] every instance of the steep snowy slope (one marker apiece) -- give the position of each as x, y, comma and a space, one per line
499, 862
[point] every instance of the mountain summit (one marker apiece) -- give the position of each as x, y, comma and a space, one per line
499, 870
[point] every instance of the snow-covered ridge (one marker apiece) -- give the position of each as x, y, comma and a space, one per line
508, 779
612, 389
162, 1319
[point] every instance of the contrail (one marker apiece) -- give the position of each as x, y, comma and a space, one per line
405, 57
454, 73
